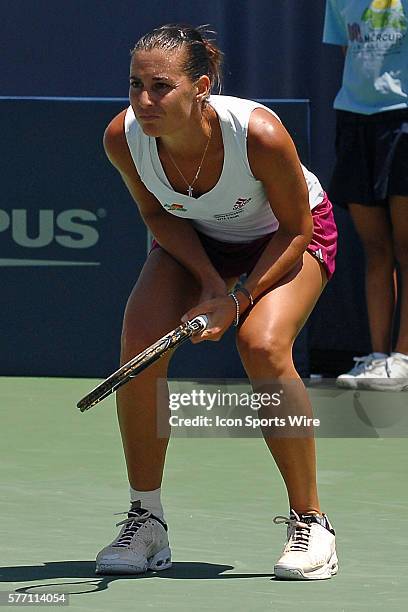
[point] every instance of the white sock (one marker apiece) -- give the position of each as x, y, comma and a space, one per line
380, 355
149, 500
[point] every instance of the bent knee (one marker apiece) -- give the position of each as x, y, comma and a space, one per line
135, 339
378, 254
272, 352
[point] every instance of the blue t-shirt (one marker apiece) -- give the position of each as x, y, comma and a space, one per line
375, 32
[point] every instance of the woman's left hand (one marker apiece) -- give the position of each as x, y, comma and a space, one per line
220, 312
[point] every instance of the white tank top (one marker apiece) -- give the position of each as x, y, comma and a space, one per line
237, 208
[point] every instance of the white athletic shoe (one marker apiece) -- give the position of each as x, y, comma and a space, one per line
395, 377
142, 544
310, 550
370, 366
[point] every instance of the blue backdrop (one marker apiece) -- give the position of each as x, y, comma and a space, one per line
73, 243
81, 48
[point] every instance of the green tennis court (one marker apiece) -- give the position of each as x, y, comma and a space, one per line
63, 478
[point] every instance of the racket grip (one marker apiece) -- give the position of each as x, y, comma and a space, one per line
199, 323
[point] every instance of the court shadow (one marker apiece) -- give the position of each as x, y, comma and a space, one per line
64, 570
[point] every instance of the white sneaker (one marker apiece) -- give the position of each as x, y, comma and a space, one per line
395, 378
370, 366
310, 550
142, 544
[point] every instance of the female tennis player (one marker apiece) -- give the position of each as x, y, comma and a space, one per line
219, 184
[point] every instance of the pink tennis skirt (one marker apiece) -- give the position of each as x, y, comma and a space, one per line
235, 259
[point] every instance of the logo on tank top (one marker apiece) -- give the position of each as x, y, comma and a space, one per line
175, 206
240, 203
236, 212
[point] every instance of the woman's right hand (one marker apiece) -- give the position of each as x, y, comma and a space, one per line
221, 312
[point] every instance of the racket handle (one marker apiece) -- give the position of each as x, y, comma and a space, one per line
200, 323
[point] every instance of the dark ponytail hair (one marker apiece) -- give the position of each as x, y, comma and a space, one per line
202, 55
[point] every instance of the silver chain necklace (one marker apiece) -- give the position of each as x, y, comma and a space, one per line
191, 185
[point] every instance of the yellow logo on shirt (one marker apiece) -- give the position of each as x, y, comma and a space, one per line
383, 14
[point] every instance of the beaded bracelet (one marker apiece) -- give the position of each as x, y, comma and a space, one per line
234, 297
245, 291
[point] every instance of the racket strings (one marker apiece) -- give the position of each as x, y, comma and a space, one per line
141, 361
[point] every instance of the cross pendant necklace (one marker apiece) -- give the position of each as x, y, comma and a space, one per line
191, 185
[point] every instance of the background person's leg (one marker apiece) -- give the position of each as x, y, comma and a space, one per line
373, 226
399, 216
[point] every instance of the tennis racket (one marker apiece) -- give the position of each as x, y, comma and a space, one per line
143, 360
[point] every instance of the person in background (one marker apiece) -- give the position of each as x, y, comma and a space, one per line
371, 171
